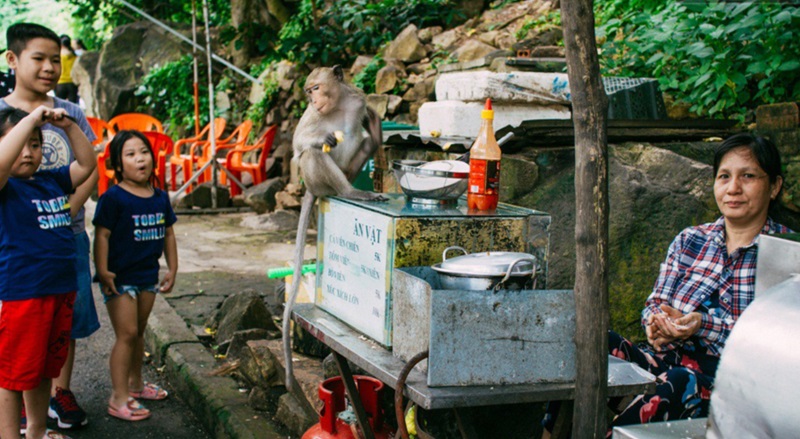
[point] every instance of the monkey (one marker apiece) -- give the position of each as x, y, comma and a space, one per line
335, 120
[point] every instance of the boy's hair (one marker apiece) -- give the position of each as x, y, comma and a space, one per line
115, 149
11, 116
18, 35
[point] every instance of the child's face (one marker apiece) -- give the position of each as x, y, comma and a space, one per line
29, 158
137, 163
38, 67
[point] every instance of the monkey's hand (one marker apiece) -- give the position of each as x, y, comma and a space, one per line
331, 140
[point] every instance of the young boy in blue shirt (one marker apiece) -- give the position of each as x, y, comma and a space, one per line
34, 52
37, 264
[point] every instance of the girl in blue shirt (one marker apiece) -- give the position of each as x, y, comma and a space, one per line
133, 228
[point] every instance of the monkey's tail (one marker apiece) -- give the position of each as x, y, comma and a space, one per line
300, 243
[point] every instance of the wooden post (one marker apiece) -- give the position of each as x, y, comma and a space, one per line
589, 112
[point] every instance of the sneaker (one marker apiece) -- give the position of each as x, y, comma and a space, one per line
66, 410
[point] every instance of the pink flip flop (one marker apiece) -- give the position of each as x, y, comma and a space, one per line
132, 411
150, 392
52, 434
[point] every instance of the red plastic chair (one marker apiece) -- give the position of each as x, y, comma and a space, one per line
190, 144
135, 121
236, 165
162, 147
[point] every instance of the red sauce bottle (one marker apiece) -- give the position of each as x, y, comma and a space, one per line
483, 191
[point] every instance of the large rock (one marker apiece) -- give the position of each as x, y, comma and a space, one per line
132, 51
472, 50
360, 63
653, 193
284, 73
379, 103
445, 40
245, 310
406, 46
261, 197
292, 416
84, 74
278, 221
422, 91
386, 79
426, 35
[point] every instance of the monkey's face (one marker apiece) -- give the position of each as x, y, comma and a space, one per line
323, 92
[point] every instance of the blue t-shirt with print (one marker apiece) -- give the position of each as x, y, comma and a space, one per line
56, 151
37, 246
138, 226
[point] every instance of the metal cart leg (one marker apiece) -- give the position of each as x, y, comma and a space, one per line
563, 425
353, 395
465, 424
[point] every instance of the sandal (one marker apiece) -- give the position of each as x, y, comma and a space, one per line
52, 434
150, 392
132, 411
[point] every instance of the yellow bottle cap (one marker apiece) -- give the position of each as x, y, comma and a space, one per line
487, 112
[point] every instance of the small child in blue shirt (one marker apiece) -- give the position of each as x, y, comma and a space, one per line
133, 228
37, 263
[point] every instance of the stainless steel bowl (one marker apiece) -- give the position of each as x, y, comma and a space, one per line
421, 184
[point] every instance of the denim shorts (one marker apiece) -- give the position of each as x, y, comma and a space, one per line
131, 290
84, 317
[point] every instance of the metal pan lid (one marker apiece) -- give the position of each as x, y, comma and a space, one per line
488, 264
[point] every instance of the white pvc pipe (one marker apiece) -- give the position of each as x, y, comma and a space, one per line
211, 134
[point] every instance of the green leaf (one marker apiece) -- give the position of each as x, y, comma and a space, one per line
702, 79
655, 58
756, 67
789, 66
783, 17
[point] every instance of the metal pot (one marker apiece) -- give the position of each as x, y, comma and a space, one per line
487, 270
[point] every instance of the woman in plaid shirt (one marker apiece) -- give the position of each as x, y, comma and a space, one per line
706, 282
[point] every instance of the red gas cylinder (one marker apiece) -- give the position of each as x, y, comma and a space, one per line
331, 425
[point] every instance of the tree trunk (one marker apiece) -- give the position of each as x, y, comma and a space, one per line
589, 110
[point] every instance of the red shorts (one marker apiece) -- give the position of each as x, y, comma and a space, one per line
34, 337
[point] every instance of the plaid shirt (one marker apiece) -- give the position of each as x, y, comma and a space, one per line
698, 267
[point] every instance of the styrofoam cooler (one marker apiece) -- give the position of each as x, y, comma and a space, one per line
456, 118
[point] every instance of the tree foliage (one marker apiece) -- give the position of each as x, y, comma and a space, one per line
96, 19
721, 58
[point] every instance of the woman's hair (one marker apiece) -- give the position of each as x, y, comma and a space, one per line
115, 148
764, 151
9, 117
66, 42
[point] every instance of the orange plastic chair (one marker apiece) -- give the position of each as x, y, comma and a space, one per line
101, 130
162, 147
236, 165
135, 121
105, 177
185, 160
237, 139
